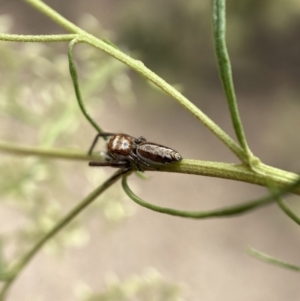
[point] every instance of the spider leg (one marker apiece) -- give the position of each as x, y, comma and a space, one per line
107, 156
137, 161
96, 140
110, 163
140, 140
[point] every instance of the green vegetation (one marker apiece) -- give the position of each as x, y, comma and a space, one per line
25, 183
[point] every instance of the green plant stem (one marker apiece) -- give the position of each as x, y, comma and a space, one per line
56, 17
37, 38
220, 212
269, 259
51, 153
234, 172
60, 225
139, 67
289, 211
229, 171
223, 60
74, 77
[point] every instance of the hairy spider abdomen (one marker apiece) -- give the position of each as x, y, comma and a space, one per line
157, 154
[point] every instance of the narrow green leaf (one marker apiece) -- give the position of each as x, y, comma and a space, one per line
228, 211
74, 76
288, 210
225, 71
272, 260
221, 212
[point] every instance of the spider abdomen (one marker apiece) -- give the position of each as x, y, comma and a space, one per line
157, 154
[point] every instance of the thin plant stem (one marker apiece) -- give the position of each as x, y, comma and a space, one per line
51, 153
56, 17
139, 67
222, 170
74, 77
272, 260
283, 205
288, 210
220, 212
37, 38
225, 71
59, 226
238, 171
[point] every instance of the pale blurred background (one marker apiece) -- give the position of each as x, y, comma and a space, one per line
116, 250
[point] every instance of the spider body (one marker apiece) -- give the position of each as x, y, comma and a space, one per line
124, 151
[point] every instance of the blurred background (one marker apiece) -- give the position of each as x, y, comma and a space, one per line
116, 250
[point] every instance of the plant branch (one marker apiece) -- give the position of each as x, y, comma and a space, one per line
139, 67
223, 60
235, 172
51, 153
56, 17
60, 225
36, 38
229, 171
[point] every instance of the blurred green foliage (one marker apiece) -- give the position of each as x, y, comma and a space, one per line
150, 286
174, 38
38, 107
